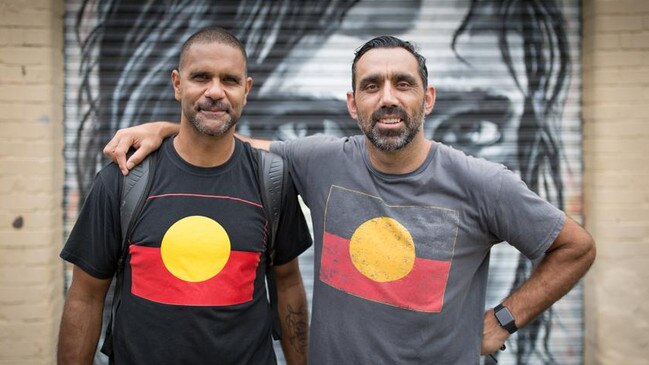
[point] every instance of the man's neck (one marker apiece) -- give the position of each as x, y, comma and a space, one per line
403, 161
202, 150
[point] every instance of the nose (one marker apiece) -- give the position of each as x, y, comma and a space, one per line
215, 90
388, 96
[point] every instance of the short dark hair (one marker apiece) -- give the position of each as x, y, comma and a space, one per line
387, 41
212, 34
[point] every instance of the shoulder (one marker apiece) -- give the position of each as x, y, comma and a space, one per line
475, 177
109, 178
466, 166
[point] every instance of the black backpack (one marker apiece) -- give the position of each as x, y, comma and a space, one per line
272, 178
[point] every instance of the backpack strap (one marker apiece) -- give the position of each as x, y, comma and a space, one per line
272, 177
134, 189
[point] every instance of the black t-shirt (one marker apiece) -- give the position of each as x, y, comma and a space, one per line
194, 289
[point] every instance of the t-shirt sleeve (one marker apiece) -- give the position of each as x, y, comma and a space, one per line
293, 236
523, 219
94, 244
302, 155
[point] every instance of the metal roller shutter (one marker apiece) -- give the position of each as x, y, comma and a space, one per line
508, 89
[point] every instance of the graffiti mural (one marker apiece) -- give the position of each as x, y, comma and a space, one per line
506, 74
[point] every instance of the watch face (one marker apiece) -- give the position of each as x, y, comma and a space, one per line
504, 316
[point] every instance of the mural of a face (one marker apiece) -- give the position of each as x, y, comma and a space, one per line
479, 103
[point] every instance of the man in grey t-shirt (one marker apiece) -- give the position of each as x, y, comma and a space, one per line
403, 228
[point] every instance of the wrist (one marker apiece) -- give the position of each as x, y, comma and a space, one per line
167, 129
505, 318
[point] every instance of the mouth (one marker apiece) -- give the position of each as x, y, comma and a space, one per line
213, 111
213, 108
388, 123
212, 114
389, 120
389, 117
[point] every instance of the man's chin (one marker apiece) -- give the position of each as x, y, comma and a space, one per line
214, 128
388, 144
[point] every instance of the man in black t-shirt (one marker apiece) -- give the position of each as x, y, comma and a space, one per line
194, 280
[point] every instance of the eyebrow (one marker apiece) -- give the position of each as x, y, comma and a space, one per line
406, 77
234, 77
198, 73
376, 78
371, 79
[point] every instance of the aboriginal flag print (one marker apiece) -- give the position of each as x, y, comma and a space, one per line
396, 255
194, 266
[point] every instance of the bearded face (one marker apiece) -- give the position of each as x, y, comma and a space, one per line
391, 128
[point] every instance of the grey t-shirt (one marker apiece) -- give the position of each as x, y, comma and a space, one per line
401, 261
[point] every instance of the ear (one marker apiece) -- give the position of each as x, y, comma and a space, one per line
248, 87
175, 81
351, 104
429, 99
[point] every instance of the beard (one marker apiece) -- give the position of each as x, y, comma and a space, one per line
211, 129
391, 140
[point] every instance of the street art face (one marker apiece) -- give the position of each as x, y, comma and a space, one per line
502, 70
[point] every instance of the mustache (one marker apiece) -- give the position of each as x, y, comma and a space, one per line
213, 104
389, 110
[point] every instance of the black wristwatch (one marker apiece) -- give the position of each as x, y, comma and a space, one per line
505, 318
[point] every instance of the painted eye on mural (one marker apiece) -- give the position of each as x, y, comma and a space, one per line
470, 120
463, 130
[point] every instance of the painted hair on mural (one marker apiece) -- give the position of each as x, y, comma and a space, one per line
540, 25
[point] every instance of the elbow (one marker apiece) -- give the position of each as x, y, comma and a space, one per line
583, 252
590, 251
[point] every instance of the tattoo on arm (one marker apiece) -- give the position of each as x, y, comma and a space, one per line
296, 321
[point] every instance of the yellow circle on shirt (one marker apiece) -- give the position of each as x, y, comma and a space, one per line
195, 248
382, 249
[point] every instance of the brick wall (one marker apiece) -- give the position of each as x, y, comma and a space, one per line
616, 153
31, 176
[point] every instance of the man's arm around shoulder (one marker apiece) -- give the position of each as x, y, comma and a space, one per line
261, 144
146, 138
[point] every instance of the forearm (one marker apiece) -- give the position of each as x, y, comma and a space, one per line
567, 260
79, 332
295, 328
261, 144
554, 277
167, 129
81, 322
293, 313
